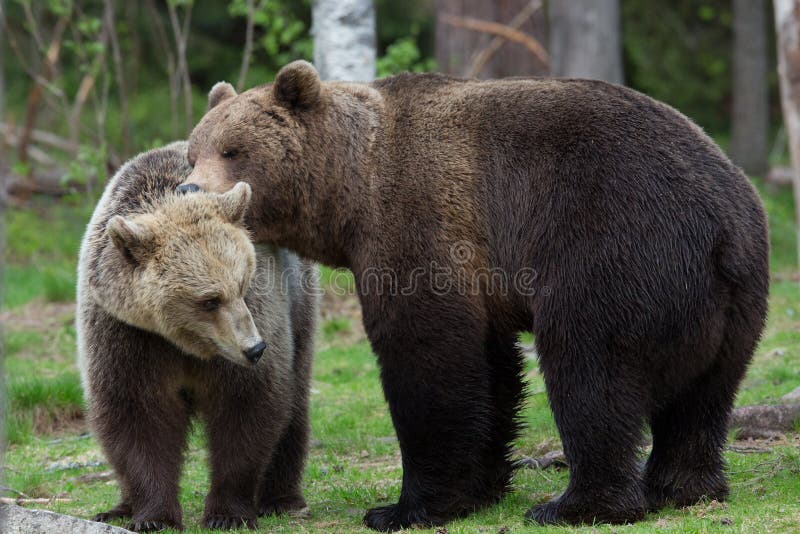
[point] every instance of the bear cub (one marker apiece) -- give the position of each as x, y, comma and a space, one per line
178, 313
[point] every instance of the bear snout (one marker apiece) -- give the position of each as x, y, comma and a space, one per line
253, 354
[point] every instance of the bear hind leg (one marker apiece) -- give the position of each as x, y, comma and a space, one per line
599, 412
508, 391
280, 491
686, 463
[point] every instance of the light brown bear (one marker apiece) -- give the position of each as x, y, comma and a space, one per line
175, 308
599, 219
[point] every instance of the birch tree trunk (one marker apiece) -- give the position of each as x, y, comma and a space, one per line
585, 39
787, 26
344, 39
750, 128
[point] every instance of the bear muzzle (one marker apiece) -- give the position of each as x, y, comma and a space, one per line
253, 354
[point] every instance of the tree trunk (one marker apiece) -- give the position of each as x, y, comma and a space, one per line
462, 51
585, 39
787, 25
749, 137
344, 39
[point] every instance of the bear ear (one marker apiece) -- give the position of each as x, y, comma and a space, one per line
221, 91
297, 85
134, 240
235, 203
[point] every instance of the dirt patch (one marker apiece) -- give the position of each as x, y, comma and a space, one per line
334, 306
39, 316
58, 421
763, 445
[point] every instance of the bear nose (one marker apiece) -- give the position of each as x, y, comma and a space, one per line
187, 188
253, 354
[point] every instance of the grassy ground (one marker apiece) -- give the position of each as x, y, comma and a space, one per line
354, 461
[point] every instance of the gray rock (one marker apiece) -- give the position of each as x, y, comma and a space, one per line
792, 396
764, 421
18, 520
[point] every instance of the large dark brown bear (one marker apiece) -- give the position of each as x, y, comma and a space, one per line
599, 219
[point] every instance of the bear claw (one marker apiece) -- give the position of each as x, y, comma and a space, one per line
152, 526
293, 506
224, 522
558, 512
543, 514
121, 511
111, 515
392, 517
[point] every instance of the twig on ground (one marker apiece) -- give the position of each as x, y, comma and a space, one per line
42, 500
12, 490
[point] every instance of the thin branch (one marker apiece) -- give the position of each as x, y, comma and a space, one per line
48, 71
495, 28
40, 136
33, 27
12, 490
181, 38
163, 43
22, 63
123, 98
486, 54
248, 45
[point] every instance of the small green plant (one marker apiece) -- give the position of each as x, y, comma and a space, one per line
337, 325
59, 284
89, 165
403, 55
281, 34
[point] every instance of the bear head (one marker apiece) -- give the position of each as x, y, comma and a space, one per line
190, 262
259, 136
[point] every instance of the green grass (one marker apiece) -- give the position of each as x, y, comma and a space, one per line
42, 246
354, 462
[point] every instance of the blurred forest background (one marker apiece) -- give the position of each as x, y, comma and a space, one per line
86, 84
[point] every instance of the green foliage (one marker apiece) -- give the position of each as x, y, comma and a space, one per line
779, 204
58, 284
336, 325
60, 7
680, 52
89, 164
403, 55
42, 246
282, 33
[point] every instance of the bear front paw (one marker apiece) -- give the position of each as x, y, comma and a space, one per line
120, 511
394, 517
227, 522
544, 514
294, 506
570, 509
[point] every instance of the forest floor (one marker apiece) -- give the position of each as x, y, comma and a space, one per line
354, 462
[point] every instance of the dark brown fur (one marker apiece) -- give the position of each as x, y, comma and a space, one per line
142, 391
646, 247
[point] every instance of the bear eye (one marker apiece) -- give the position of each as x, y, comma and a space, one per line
230, 153
210, 304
